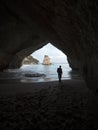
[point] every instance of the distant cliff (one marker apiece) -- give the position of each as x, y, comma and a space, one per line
30, 60
46, 60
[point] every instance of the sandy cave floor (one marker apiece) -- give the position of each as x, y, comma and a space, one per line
46, 106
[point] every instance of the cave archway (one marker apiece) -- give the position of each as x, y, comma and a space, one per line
59, 56
34, 64
70, 25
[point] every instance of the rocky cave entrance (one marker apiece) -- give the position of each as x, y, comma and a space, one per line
30, 72
55, 55
42, 64
71, 25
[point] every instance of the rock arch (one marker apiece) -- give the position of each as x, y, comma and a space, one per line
70, 25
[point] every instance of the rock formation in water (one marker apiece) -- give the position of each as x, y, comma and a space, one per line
46, 60
70, 25
30, 60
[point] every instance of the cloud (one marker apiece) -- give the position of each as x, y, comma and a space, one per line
55, 54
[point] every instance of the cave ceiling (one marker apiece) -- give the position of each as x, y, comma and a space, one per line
70, 25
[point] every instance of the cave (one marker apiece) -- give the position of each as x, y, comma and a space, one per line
69, 25
72, 27
45, 62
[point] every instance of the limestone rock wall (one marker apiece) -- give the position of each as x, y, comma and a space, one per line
70, 25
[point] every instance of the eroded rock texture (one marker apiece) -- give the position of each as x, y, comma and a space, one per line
46, 60
70, 25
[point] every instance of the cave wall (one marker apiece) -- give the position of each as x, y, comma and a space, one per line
70, 25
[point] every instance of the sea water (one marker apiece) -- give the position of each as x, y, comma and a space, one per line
50, 72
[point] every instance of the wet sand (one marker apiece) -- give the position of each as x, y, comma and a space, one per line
68, 105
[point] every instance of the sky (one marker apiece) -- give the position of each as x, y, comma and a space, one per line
56, 56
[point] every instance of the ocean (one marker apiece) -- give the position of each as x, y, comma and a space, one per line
49, 71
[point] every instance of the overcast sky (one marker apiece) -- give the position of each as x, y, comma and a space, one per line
55, 54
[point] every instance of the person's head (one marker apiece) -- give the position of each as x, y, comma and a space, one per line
60, 66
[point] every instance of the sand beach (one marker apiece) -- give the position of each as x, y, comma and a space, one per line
68, 105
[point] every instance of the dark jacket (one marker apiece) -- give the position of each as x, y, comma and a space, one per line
59, 70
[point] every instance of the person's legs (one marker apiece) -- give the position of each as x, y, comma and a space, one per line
59, 77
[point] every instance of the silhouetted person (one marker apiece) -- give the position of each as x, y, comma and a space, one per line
59, 71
